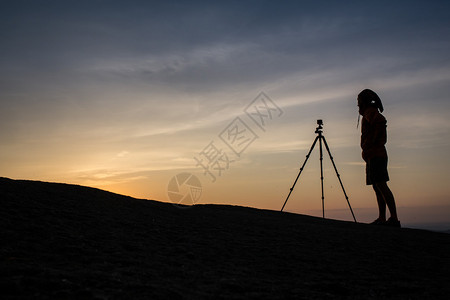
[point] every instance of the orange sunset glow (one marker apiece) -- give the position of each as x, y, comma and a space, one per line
126, 96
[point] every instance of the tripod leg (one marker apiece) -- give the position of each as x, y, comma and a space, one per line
339, 177
301, 169
321, 174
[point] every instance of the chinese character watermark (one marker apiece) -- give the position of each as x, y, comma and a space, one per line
238, 135
184, 189
262, 110
214, 160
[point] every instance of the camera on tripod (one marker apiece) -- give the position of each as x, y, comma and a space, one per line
321, 139
320, 127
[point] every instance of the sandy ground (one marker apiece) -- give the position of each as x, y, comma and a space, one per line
71, 242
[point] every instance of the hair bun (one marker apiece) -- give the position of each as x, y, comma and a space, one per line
370, 97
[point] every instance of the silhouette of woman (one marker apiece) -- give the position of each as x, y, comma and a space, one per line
373, 140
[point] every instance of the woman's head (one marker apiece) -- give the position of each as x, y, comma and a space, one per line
368, 98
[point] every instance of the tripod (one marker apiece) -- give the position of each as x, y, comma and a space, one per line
321, 139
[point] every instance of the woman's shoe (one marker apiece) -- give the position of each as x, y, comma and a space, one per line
378, 222
393, 223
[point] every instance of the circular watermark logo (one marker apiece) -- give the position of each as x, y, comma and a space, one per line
184, 189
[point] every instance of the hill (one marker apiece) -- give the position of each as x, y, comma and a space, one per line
66, 241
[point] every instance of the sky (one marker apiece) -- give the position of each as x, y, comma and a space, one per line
128, 96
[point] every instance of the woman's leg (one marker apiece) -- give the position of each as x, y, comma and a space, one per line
388, 197
381, 204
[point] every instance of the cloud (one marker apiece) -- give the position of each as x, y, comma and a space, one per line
108, 91
204, 46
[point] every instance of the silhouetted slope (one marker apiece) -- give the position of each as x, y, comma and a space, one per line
66, 241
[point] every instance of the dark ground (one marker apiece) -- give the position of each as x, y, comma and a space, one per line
71, 242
